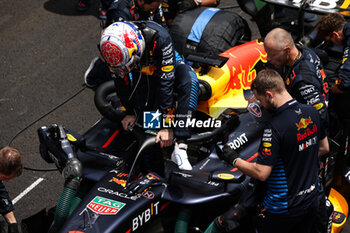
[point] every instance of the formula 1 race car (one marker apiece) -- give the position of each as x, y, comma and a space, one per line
99, 164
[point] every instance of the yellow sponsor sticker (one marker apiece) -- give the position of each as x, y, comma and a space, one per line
71, 138
226, 176
167, 68
266, 144
344, 60
318, 106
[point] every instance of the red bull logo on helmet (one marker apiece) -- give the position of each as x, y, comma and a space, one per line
303, 123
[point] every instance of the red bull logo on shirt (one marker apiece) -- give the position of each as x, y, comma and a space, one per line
303, 123
307, 133
266, 151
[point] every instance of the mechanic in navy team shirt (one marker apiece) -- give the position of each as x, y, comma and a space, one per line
288, 158
160, 11
10, 167
304, 77
130, 10
301, 70
334, 28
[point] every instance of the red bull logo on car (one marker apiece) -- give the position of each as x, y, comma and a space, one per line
243, 67
303, 123
118, 181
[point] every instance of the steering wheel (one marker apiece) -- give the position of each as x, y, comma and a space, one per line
103, 101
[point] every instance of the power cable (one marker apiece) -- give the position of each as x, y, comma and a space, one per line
38, 119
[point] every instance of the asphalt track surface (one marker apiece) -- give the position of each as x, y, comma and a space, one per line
45, 49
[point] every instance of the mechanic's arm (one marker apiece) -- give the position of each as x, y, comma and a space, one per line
343, 82
159, 17
254, 170
12, 226
209, 3
123, 90
190, 4
10, 217
324, 147
6, 209
115, 15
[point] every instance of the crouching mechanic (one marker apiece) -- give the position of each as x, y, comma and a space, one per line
10, 167
140, 58
287, 161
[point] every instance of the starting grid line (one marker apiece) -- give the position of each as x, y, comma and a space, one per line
27, 190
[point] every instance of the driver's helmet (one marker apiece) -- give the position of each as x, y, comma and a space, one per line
121, 45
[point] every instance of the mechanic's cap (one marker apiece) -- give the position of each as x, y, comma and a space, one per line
122, 44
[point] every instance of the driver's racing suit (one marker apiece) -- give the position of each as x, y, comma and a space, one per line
151, 84
164, 74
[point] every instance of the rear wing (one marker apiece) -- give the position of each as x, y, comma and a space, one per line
317, 6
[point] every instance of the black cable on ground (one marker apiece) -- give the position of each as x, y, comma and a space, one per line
41, 117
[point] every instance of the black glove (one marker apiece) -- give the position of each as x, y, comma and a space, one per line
13, 228
227, 154
186, 5
138, 186
231, 219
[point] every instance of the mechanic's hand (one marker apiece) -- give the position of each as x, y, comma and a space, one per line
186, 5
231, 219
305, 41
228, 154
138, 186
12, 228
336, 90
165, 137
128, 120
